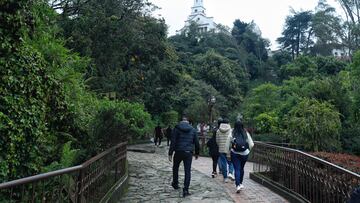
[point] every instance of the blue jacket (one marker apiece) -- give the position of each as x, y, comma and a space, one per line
183, 138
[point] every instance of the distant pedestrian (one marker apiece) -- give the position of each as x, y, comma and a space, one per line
158, 134
214, 130
241, 144
183, 140
223, 137
214, 153
168, 134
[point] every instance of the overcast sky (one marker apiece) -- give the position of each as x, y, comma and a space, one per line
269, 15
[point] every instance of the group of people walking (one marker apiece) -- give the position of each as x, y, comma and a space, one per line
159, 133
229, 147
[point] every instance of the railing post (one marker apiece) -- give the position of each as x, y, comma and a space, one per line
296, 174
80, 193
117, 163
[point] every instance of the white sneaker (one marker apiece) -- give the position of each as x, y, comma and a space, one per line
231, 176
225, 180
238, 189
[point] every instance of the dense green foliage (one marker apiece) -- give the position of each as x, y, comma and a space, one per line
93, 73
314, 124
31, 104
45, 108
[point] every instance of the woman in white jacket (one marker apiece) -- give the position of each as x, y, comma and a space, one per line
241, 145
223, 138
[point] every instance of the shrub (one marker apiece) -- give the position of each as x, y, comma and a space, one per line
315, 125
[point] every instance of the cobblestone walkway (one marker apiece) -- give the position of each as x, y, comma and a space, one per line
253, 191
151, 175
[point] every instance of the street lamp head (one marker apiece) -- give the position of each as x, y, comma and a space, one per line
213, 99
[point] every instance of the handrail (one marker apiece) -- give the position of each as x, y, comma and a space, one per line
315, 179
88, 182
310, 156
39, 177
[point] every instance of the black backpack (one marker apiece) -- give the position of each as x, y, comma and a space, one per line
240, 144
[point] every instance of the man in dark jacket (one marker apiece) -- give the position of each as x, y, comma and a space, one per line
183, 139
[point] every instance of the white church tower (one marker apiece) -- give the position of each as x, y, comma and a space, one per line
198, 16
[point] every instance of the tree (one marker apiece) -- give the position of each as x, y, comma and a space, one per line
238, 30
355, 87
262, 99
219, 72
327, 29
303, 66
124, 45
191, 97
297, 35
351, 31
315, 125
32, 106
248, 37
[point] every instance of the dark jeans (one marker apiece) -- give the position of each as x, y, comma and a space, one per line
168, 141
239, 163
215, 159
186, 157
158, 138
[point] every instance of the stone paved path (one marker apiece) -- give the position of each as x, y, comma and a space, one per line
150, 178
253, 191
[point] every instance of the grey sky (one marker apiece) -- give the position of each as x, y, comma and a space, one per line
269, 15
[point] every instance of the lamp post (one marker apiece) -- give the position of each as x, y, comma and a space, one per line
211, 103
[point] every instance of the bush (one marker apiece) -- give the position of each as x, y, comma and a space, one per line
170, 118
315, 125
118, 121
350, 140
266, 123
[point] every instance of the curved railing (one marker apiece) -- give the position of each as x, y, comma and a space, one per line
314, 179
89, 182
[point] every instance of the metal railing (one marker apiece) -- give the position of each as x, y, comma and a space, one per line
88, 182
314, 179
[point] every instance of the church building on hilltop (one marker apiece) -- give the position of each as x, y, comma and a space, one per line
199, 17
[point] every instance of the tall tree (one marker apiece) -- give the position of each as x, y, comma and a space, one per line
327, 29
248, 37
124, 45
297, 35
351, 9
219, 72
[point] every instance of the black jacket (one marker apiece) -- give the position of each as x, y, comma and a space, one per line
183, 138
168, 132
213, 147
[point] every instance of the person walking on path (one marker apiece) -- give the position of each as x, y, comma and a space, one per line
158, 134
183, 139
214, 153
168, 134
241, 144
223, 138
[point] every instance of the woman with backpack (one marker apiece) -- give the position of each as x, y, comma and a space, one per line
241, 145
